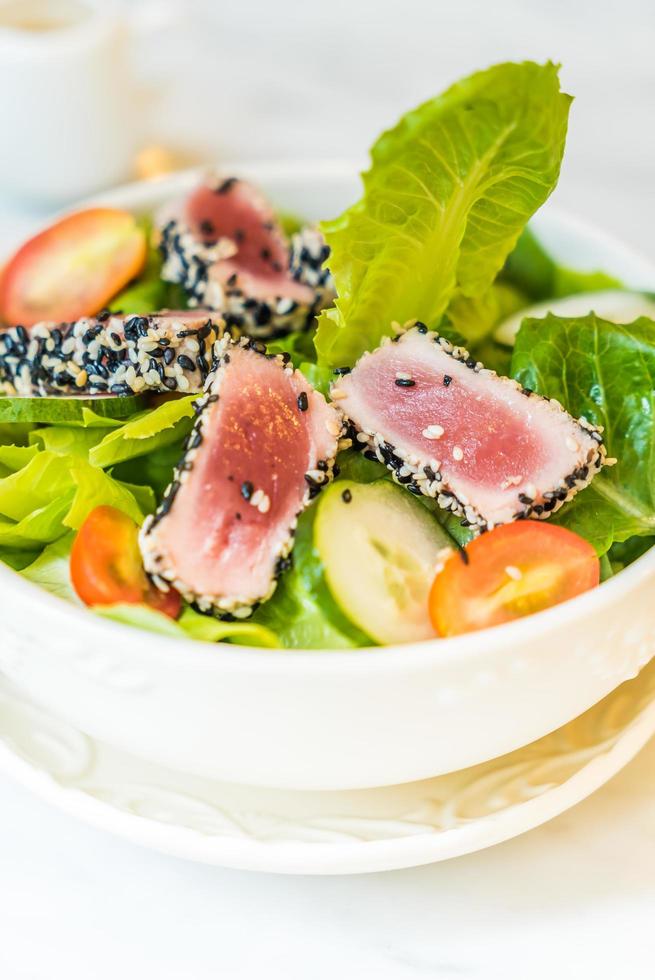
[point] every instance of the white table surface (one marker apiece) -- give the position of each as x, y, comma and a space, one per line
574, 899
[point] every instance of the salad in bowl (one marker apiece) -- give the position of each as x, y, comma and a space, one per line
406, 423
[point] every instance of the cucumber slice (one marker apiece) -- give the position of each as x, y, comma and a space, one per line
64, 409
379, 548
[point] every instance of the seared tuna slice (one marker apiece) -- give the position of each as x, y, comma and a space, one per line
449, 428
225, 246
262, 446
168, 351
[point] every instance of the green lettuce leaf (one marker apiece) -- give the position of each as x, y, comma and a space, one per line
475, 317
606, 373
212, 630
95, 488
448, 193
13, 458
67, 440
158, 427
46, 478
530, 269
51, 570
38, 528
302, 612
190, 625
18, 560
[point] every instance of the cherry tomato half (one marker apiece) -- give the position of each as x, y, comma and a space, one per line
73, 268
106, 566
510, 572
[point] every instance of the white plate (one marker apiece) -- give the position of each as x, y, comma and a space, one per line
323, 832
334, 720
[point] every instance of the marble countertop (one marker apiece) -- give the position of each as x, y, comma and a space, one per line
575, 898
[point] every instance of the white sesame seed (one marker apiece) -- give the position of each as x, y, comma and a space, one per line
403, 376
610, 461
333, 427
336, 393
433, 432
264, 504
458, 453
514, 572
81, 379
531, 490
257, 498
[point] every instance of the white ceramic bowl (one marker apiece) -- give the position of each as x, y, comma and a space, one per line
334, 719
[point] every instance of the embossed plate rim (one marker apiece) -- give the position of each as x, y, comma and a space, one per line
600, 760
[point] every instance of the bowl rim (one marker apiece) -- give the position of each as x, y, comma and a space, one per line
236, 658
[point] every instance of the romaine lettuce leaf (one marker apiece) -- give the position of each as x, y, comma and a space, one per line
606, 373
475, 317
145, 432
448, 193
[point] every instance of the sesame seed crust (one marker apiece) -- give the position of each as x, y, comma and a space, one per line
158, 562
188, 261
422, 476
110, 354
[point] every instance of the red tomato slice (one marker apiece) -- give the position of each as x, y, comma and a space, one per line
510, 572
73, 268
106, 566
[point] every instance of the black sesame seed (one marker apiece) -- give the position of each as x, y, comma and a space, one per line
170, 383
446, 380
342, 370
303, 401
227, 185
265, 254
169, 356
207, 227
263, 315
405, 382
421, 327
232, 281
346, 496
186, 363
247, 489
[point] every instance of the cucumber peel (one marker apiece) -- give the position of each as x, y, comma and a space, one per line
64, 409
379, 548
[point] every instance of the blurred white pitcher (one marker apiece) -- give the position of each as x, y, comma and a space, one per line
66, 106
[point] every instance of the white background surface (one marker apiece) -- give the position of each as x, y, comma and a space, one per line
575, 899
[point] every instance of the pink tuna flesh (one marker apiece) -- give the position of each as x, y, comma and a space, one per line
257, 441
495, 448
234, 210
